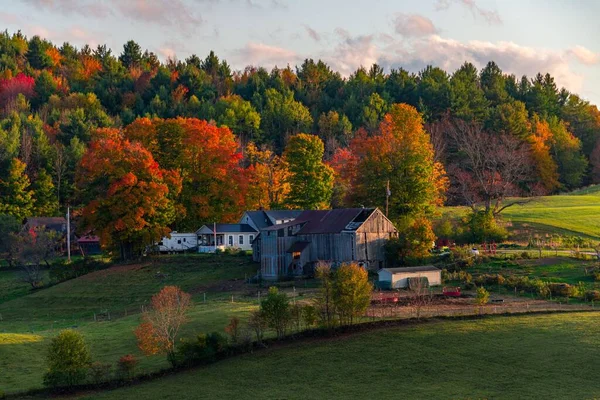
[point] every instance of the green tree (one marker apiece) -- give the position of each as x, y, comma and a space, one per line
311, 180
373, 112
46, 201
45, 86
493, 84
351, 292
16, 198
9, 226
566, 149
240, 116
36, 53
276, 310
68, 360
324, 299
467, 99
131, 55
334, 126
282, 117
512, 119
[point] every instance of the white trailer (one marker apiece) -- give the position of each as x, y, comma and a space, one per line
178, 242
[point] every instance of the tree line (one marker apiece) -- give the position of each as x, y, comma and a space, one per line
78, 126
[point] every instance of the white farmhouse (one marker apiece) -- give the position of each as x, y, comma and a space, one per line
225, 236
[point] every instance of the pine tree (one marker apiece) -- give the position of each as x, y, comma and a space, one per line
45, 202
15, 196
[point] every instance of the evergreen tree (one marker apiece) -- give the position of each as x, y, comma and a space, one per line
15, 196
46, 203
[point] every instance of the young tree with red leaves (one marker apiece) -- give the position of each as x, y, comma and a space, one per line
129, 198
161, 324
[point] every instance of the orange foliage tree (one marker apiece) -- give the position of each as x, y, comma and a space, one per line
208, 160
267, 178
161, 324
400, 153
129, 197
546, 168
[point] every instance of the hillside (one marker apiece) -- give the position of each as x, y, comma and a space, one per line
440, 360
30, 320
572, 214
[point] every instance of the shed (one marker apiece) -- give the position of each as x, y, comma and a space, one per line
397, 278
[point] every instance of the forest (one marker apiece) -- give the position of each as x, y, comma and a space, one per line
137, 147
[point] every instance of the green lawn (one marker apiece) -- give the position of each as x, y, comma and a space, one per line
543, 356
30, 321
575, 214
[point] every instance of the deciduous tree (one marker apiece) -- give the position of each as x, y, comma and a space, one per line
351, 292
130, 199
310, 179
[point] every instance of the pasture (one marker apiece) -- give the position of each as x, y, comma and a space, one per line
573, 214
30, 319
528, 356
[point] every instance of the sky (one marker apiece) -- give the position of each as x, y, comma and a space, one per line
522, 36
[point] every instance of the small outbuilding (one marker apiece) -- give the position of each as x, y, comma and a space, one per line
398, 278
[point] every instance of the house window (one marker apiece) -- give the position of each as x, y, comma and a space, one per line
160, 243
184, 239
296, 255
241, 239
251, 238
231, 240
179, 241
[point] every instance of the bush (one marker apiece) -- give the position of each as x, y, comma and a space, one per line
490, 279
597, 276
461, 258
100, 372
126, 366
525, 255
592, 295
483, 227
483, 296
233, 330
204, 348
62, 270
562, 290
68, 360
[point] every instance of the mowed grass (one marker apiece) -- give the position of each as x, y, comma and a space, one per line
72, 304
542, 356
575, 214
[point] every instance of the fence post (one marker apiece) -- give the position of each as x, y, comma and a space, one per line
95, 320
232, 298
205, 297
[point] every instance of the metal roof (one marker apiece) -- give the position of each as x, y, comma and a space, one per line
330, 221
423, 268
327, 221
265, 218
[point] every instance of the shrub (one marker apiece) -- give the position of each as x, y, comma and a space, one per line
62, 270
525, 255
309, 316
597, 276
462, 257
216, 342
126, 366
483, 227
258, 324
562, 289
68, 360
233, 330
483, 296
191, 351
276, 309
592, 295
487, 279
100, 372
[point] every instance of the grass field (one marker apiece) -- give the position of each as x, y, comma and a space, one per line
574, 214
543, 356
30, 320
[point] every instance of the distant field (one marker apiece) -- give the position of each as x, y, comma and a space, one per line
545, 356
30, 320
574, 214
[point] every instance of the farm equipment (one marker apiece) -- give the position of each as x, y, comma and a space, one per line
385, 298
451, 291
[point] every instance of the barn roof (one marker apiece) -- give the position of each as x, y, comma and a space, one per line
423, 268
265, 218
327, 221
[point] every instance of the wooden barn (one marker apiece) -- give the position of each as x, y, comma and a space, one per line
333, 236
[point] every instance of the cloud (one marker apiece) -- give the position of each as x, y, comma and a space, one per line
491, 16
585, 56
413, 25
265, 55
312, 33
166, 13
352, 53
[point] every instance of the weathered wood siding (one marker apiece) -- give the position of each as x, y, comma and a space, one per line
273, 254
371, 238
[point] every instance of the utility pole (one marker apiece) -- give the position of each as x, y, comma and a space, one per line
387, 198
68, 233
